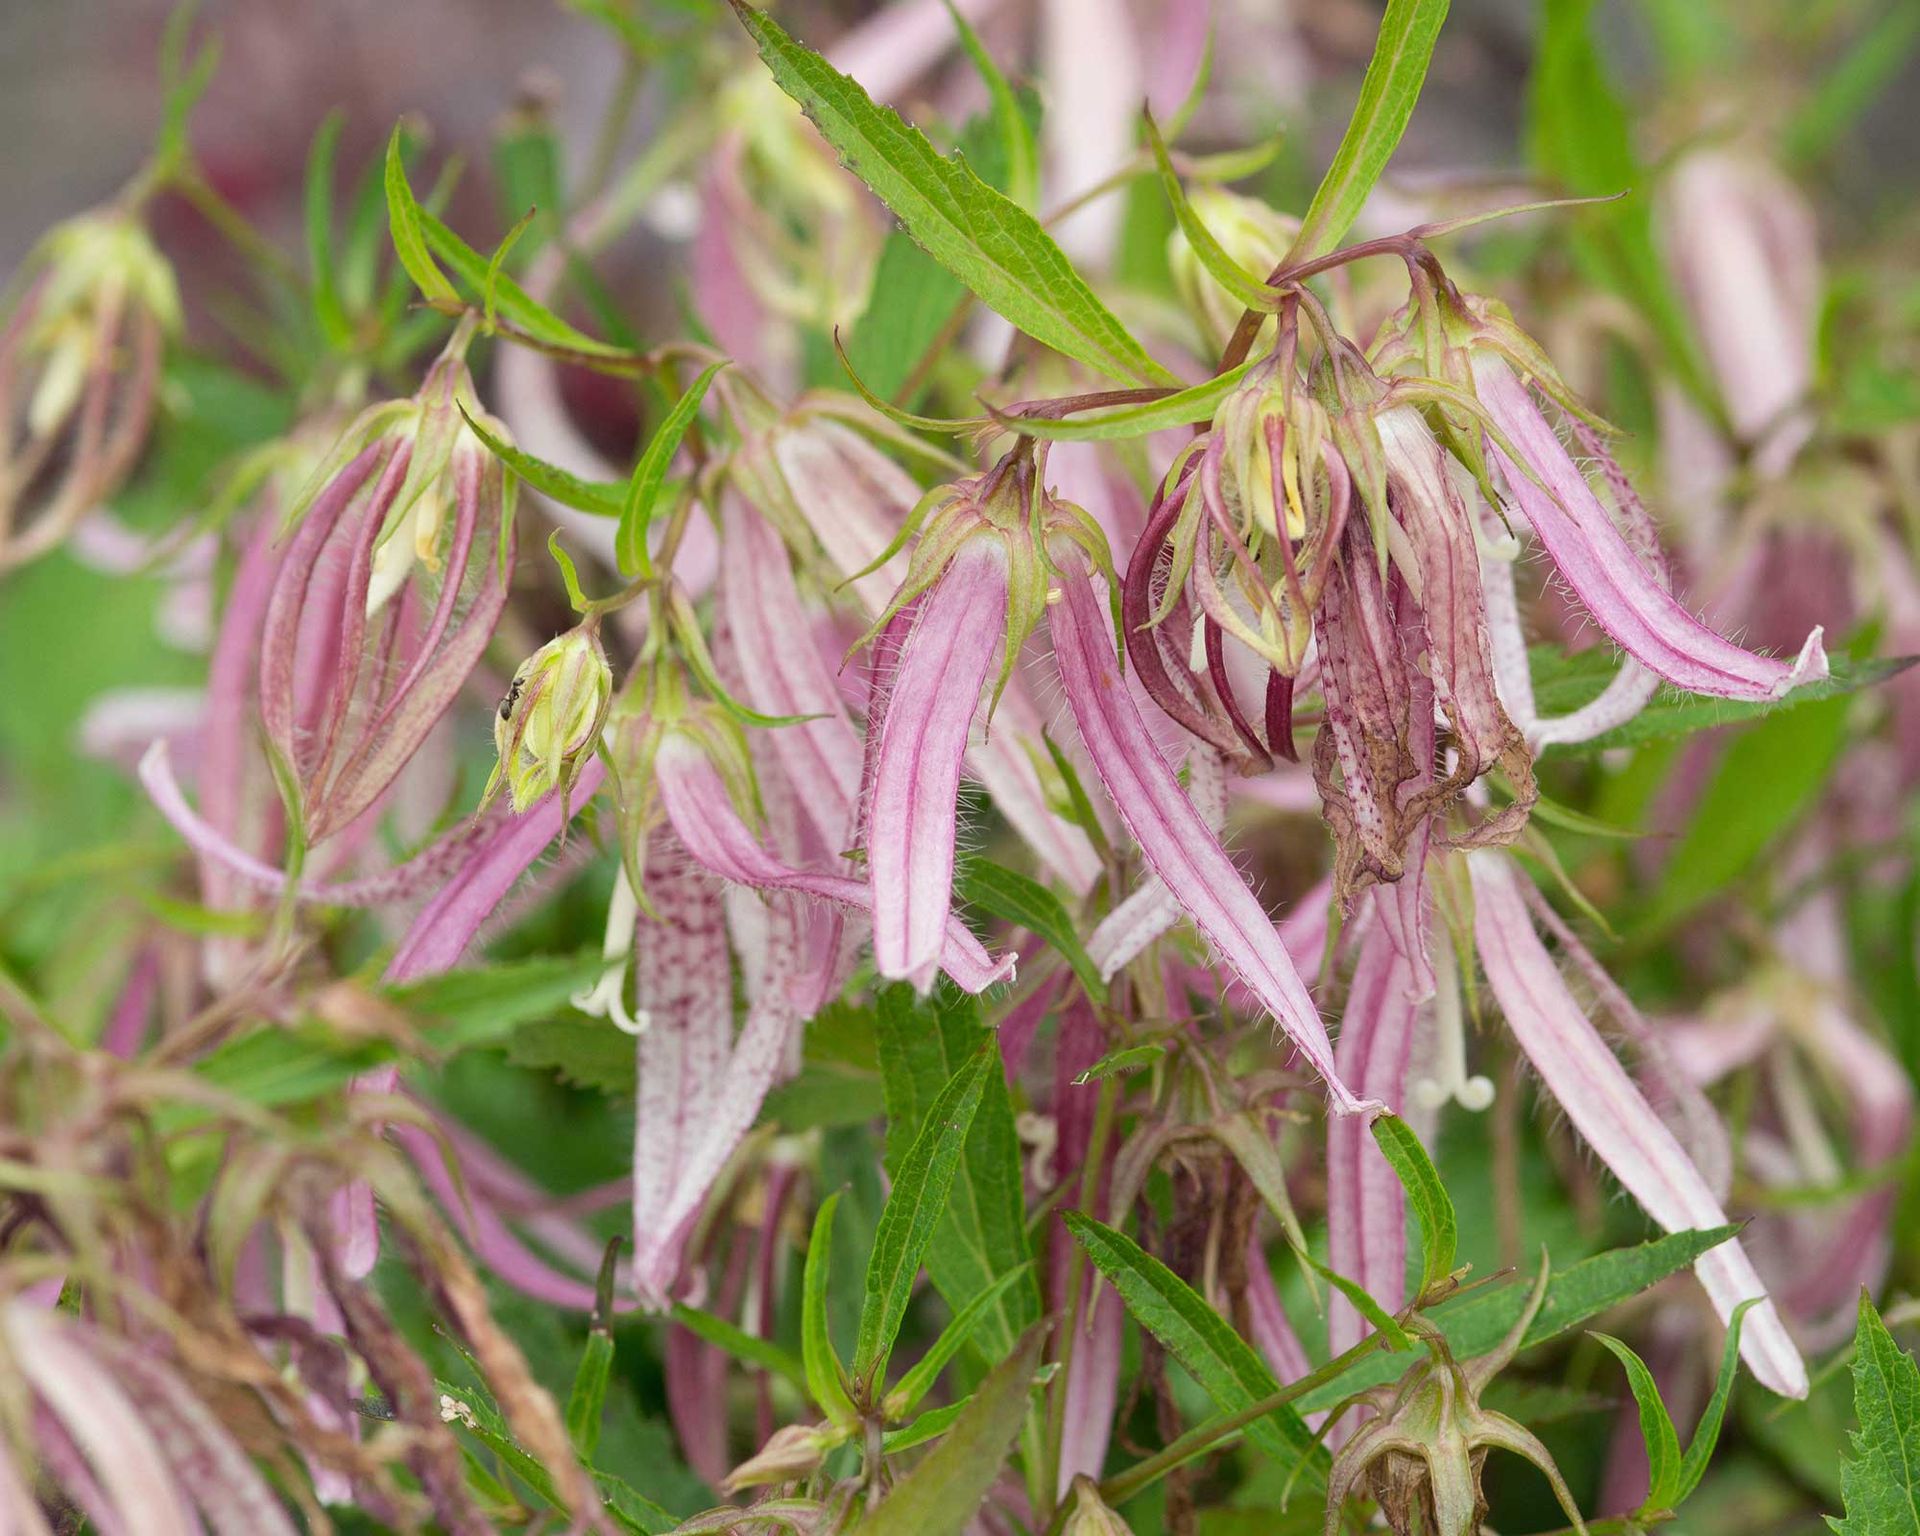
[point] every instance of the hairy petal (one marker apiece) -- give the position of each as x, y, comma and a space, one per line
911, 823
1152, 909
1366, 1207
1625, 599
1628, 691
703, 818
1170, 831
684, 979
795, 987
441, 933
1612, 1116
785, 674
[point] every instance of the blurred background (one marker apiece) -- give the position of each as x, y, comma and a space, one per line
79, 99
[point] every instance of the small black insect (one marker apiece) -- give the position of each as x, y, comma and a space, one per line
512, 698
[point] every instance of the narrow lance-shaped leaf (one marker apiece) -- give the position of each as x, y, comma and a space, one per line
643, 490
914, 1208
1706, 1434
1476, 1323
587, 1400
514, 303
983, 1235
600, 498
404, 216
1224, 1364
983, 237
327, 308
1408, 32
916, 1383
1119, 423
1016, 133
1656, 1427
736, 1341
1008, 894
825, 1380
1432, 1205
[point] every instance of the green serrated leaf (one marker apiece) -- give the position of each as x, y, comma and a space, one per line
983, 1233
404, 222
1656, 1427
1432, 1206
584, 1052
1394, 76
1476, 1323
944, 1489
1007, 894
1224, 1364
480, 1004
983, 237
1880, 1481
918, 1200
643, 490
1564, 683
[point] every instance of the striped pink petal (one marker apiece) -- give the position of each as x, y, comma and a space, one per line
912, 814
1171, 832
1612, 1116
1625, 599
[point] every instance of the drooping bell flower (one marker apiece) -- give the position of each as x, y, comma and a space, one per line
1400, 638
815, 476
79, 371
1612, 1115
1172, 834
392, 579
701, 1084
974, 592
1626, 597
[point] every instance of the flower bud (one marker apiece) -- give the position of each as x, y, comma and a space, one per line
1253, 234
1090, 1515
790, 1454
82, 354
551, 717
